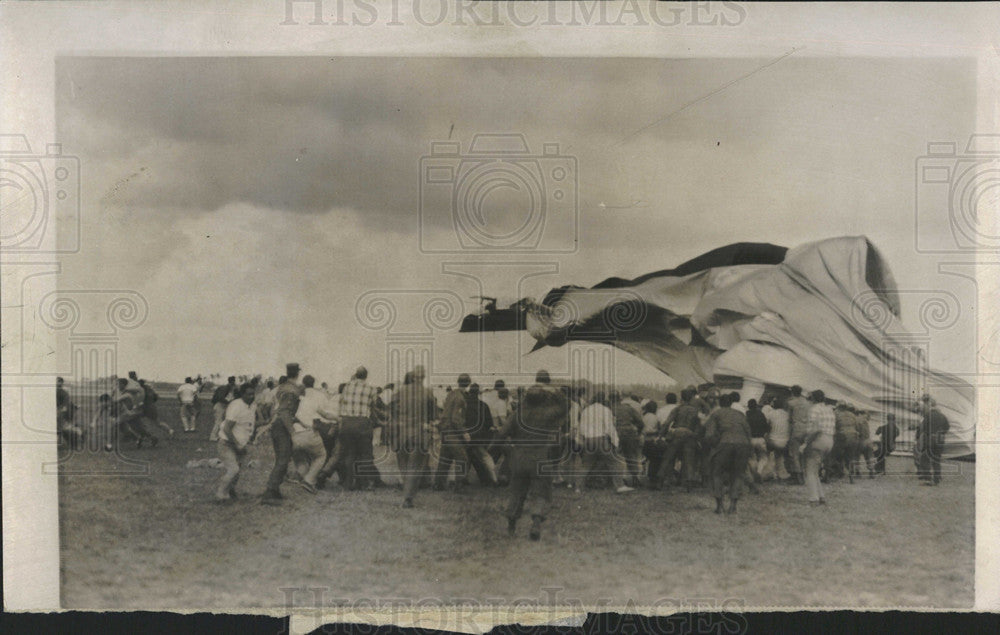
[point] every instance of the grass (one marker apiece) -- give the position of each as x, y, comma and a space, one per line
157, 541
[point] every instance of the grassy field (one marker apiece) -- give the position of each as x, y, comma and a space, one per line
158, 541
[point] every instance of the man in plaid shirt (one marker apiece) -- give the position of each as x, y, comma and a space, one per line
818, 441
357, 422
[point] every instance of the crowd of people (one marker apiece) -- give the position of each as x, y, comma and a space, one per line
530, 439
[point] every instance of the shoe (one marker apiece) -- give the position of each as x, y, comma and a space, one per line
718, 505
223, 501
232, 494
153, 442
536, 529
732, 507
511, 526
871, 474
814, 503
407, 503
624, 489
822, 501
309, 487
138, 443
927, 483
271, 499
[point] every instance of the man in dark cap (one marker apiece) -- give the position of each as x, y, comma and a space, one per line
286, 400
454, 435
534, 432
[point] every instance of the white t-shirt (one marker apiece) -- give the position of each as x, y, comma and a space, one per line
499, 408
244, 416
313, 405
664, 411
187, 393
650, 422
597, 421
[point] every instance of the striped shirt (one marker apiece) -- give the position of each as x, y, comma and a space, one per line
822, 420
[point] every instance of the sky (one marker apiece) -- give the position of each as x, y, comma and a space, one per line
258, 204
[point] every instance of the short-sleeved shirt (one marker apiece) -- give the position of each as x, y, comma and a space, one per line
357, 398
597, 421
243, 415
187, 393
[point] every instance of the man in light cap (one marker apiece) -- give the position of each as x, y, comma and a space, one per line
357, 425
286, 399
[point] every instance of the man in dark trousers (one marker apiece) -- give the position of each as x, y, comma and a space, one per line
453, 435
728, 434
681, 430
534, 432
479, 426
412, 413
286, 400
355, 436
886, 434
930, 442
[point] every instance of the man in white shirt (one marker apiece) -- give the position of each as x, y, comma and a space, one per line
234, 437
599, 441
663, 412
308, 450
187, 394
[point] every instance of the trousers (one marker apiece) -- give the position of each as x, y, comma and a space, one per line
527, 481
599, 455
684, 446
309, 452
233, 462
355, 452
812, 459
729, 462
413, 459
282, 457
